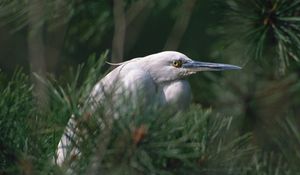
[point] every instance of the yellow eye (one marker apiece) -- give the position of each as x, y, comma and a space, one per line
177, 63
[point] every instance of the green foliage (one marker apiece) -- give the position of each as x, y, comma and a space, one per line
138, 142
269, 163
269, 28
17, 108
289, 130
199, 141
16, 13
30, 136
157, 142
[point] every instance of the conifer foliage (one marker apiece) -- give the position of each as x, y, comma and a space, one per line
269, 27
202, 140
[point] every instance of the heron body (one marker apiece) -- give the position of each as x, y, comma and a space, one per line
157, 79
150, 79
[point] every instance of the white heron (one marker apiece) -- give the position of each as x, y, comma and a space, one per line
158, 78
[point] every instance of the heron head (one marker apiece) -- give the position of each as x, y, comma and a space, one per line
170, 65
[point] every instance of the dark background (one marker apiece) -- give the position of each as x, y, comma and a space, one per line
69, 31
49, 37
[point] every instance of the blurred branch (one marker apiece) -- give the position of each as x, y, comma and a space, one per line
56, 34
128, 24
119, 32
136, 9
180, 25
36, 49
136, 17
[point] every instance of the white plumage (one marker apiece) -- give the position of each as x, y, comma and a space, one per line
157, 79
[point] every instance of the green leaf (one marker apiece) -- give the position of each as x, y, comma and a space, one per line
290, 19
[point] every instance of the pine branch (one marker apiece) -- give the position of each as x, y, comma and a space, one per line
268, 26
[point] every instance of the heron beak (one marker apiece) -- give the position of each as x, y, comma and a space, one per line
197, 66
